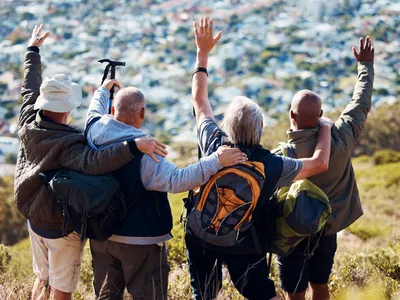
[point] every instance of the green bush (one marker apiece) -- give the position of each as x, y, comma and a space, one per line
5, 257
366, 230
12, 224
377, 268
386, 156
361, 159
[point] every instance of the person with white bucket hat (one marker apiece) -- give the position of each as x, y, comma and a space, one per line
48, 143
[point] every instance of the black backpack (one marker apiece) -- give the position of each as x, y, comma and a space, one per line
93, 205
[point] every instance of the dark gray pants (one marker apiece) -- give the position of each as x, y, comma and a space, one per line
142, 269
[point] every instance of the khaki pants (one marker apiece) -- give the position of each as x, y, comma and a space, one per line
58, 261
142, 269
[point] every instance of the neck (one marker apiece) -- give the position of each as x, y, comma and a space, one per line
60, 118
127, 122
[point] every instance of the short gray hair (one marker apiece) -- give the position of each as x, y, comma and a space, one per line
129, 101
243, 122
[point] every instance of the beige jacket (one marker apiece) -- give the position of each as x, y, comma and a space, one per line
45, 146
339, 182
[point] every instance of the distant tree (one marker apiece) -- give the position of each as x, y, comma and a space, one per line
3, 87
154, 82
182, 30
230, 64
10, 159
256, 68
382, 92
265, 56
27, 16
164, 21
9, 114
233, 20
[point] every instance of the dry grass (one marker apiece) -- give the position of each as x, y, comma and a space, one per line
367, 265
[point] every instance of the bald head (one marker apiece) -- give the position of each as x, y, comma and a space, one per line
305, 110
129, 106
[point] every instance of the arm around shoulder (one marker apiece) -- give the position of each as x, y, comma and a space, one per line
319, 162
81, 158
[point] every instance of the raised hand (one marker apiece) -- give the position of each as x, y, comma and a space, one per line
230, 156
37, 38
151, 146
366, 52
203, 32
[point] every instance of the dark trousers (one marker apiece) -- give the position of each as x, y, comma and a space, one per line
298, 269
248, 273
142, 269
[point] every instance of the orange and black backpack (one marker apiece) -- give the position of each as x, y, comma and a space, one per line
222, 210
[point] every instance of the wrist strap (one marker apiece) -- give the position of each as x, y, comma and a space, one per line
197, 70
33, 48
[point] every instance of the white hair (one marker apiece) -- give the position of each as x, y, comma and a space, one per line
129, 101
243, 122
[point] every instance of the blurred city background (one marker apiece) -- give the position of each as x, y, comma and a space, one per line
268, 51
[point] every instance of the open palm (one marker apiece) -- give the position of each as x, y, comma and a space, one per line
203, 32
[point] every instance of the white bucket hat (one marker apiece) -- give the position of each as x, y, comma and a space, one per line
59, 94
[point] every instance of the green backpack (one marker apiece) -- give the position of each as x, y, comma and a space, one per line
303, 212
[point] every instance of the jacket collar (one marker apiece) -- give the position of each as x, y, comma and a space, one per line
302, 136
43, 122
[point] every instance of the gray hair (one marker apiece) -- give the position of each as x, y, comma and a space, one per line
243, 122
129, 101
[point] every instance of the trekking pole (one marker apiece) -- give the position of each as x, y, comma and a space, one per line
110, 67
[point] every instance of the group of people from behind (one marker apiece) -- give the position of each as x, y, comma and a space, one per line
135, 257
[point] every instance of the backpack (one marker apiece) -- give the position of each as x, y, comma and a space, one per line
93, 205
303, 212
223, 208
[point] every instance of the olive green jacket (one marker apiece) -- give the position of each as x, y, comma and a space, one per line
339, 182
46, 146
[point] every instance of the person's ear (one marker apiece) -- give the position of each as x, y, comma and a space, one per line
291, 114
112, 110
262, 123
142, 112
322, 112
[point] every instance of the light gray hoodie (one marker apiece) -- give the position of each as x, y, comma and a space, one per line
163, 176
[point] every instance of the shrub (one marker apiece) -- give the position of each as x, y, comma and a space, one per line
12, 224
10, 158
366, 230
5, 256
378, 268
386, 156
361, 159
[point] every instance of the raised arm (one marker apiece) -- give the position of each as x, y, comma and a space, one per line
167, 177
32, 80
319, 162
98, 106
351, 122
205, 42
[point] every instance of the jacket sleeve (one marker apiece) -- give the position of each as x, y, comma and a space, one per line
98, 107
167, 177
351, 122
30, 90
81, 158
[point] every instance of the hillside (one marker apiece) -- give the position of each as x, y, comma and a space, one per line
368, 254
369, 251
